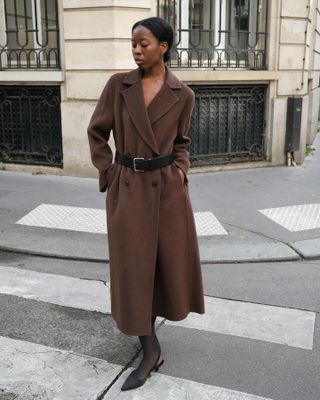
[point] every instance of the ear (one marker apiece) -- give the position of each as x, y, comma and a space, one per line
163, 47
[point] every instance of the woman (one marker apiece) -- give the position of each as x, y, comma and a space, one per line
153, 250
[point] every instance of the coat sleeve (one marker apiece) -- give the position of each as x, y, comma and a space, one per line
182, 140
100, 125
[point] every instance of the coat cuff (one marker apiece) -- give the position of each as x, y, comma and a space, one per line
103, 179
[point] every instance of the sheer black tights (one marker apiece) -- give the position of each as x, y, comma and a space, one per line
151, 348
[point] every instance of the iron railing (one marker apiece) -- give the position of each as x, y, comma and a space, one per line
217, 33
227, 124
30, 125
29, 34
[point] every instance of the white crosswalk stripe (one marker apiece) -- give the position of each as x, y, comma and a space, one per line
41, 372
255, 321
56, 289
295, 218
81, 219
93, 220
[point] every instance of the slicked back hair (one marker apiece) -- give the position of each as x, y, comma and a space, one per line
161, 29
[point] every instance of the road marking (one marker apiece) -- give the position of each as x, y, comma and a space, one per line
280, 325
65, 217
160, 387
56, 289
93, 220
255, 321
30, 370
35, 371
295, 218
208, 225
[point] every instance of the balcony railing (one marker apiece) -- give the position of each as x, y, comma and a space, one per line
29, 34
217, 33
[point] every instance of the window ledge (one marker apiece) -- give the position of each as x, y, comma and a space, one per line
34, 75
208, 76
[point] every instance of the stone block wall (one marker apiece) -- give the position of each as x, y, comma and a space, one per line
297, 62
97, 43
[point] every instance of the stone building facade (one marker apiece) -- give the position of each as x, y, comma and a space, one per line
243, 59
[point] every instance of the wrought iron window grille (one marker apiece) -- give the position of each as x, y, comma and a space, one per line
227, 124
217, 34
29, 34
30, 125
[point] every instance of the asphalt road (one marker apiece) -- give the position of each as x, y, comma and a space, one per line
210, 363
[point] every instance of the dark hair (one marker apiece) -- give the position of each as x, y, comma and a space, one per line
161, 29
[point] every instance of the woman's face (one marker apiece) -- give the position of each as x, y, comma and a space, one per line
147, 51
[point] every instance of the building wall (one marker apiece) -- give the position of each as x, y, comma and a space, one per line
298, 66
95, 26
314, 89
95, 43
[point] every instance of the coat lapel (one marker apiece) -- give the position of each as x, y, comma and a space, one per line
133, 97
165, 99
144, 118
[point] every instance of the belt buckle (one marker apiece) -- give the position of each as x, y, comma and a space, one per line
135, 166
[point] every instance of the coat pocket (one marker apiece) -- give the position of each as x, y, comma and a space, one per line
183, 183
111, 174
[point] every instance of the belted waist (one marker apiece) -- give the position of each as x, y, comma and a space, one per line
140, 164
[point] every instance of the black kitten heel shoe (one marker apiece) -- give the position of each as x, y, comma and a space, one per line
133, 381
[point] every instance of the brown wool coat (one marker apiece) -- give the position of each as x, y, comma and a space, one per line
153, 248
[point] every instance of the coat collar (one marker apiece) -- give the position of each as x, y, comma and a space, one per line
144, 118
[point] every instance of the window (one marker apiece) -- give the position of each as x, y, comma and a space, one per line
227, 124
30, 35
217, 33
30, 129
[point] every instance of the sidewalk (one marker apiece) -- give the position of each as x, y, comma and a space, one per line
233, 197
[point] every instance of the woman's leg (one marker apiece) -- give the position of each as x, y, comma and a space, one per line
151, 352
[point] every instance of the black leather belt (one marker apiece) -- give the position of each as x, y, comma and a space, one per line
139, 164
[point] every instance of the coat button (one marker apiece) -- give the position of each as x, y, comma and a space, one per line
154, 183
126, 182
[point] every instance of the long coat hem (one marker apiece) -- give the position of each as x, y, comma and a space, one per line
140, 333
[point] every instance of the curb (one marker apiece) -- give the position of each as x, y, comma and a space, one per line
219, 259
